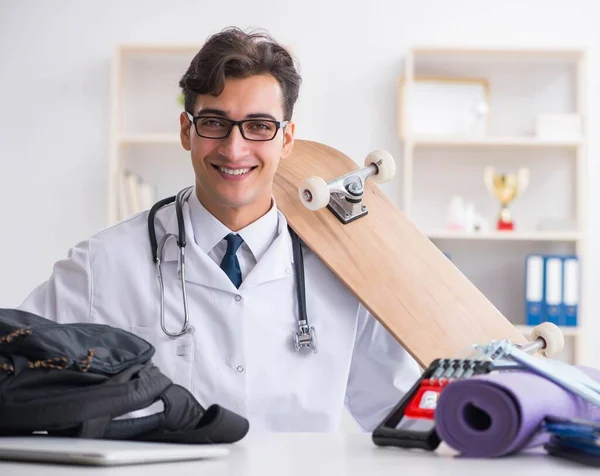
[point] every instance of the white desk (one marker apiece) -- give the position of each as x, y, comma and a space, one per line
323, 454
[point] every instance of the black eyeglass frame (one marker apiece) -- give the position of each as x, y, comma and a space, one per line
239, 124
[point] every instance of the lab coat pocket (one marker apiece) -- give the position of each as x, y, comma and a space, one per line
174, 356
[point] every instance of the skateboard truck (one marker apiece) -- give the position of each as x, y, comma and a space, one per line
343, 195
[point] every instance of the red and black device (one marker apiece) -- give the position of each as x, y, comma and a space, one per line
411, 424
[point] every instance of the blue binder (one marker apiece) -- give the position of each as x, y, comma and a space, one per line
571, 287
553, 289
534, 289
573, 439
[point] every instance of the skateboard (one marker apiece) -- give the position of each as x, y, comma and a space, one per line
401, 277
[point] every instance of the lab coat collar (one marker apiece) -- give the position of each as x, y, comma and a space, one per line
275, 263
260, 234
277, 260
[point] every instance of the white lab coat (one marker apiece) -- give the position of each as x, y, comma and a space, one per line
240, 354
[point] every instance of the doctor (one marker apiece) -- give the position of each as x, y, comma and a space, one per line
239, 349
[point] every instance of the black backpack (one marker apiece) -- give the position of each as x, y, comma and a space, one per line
83, 380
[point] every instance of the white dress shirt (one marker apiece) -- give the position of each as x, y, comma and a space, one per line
210, 234
239, 353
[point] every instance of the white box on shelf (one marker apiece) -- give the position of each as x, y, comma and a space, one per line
556, 224
446, 107
558, 127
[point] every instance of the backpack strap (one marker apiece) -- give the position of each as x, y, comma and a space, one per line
185, 421
135, 388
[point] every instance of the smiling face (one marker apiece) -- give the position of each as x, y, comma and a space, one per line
234, 176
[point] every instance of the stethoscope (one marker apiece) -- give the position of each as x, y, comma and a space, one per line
305, 336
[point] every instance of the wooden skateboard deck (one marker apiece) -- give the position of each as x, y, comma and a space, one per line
394, 270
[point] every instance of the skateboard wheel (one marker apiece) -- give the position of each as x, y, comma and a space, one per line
314, 193
552, 335
385, 163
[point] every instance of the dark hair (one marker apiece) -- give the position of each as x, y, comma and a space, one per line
237, 54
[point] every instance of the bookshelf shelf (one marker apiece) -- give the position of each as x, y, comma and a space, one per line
436, 141
142, 139
477, 54
417, 141
504, 236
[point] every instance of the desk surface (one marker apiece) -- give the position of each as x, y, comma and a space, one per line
324, 454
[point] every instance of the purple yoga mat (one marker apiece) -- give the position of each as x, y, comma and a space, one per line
496, 414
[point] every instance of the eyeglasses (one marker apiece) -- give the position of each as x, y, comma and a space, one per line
214, 127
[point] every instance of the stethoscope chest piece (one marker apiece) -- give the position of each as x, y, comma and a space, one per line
305, 337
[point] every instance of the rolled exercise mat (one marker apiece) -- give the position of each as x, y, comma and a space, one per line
500, 413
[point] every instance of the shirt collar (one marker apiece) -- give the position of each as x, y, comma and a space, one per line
209, 231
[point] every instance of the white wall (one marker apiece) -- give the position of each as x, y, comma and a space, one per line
54, 92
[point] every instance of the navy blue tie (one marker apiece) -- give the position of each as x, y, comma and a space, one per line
230, 263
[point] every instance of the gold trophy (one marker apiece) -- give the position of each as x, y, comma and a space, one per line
505, 187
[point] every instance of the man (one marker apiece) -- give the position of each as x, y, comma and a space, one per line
239, 92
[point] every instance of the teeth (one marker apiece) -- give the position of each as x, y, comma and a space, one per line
234, 171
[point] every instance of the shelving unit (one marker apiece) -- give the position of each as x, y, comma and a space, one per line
144, 133
520, 85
